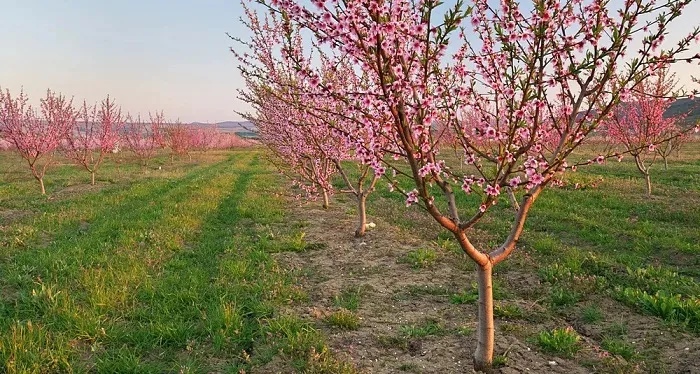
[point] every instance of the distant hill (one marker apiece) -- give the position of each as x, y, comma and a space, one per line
231, 126
685, 105
244, 129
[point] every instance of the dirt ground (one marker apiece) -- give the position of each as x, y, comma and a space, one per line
394, 295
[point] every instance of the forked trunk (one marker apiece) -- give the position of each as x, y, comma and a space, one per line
362, 212
483, 356
645, 171
39, 176
325, 199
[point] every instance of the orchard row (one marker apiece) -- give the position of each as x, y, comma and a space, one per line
87, 133
460, 108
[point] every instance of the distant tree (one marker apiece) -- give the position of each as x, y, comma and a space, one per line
180, 139
639, 124
226, 140
203, 137
36, 136
95, 135
144, 138
307, 132
671, 146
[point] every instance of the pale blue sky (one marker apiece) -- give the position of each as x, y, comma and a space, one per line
148, 55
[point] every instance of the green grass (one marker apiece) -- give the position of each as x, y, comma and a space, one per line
156, 270
508, 311
349, 298
592, 314
427, 328
420, 258
565, 342
343, 319
499, 361
168, 268
619, 347
608, 240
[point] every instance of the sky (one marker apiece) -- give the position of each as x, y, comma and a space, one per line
148, 55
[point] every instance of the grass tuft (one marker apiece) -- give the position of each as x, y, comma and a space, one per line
343, 319
559, 341
420, 258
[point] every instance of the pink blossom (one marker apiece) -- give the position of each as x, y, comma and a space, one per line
515, 182
493, 190
412, 198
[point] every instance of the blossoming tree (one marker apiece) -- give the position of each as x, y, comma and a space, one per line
95, 135
639, 124
539, 77
35, 136
144, 138
180, 138
305, 129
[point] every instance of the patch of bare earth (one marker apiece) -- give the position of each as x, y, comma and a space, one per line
77, 189
8, 216
393, 299
395, 296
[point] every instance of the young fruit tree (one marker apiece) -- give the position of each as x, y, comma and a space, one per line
144, 138
313, 151
203, 137
539, 75
95, 135
639, 124
180, 139
671, 147
299, 151
226, 140
36, 136
302, 129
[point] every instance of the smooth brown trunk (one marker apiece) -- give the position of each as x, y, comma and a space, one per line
41, 183
362, 212
648, 180
92, 178
483, 356
665, 163
325, 199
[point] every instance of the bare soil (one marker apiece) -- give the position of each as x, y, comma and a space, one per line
396, 295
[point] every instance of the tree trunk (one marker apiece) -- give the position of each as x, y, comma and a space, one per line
362, 212
92, 178
648, 180
325, 199
41, 183
483, 356
665, 163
